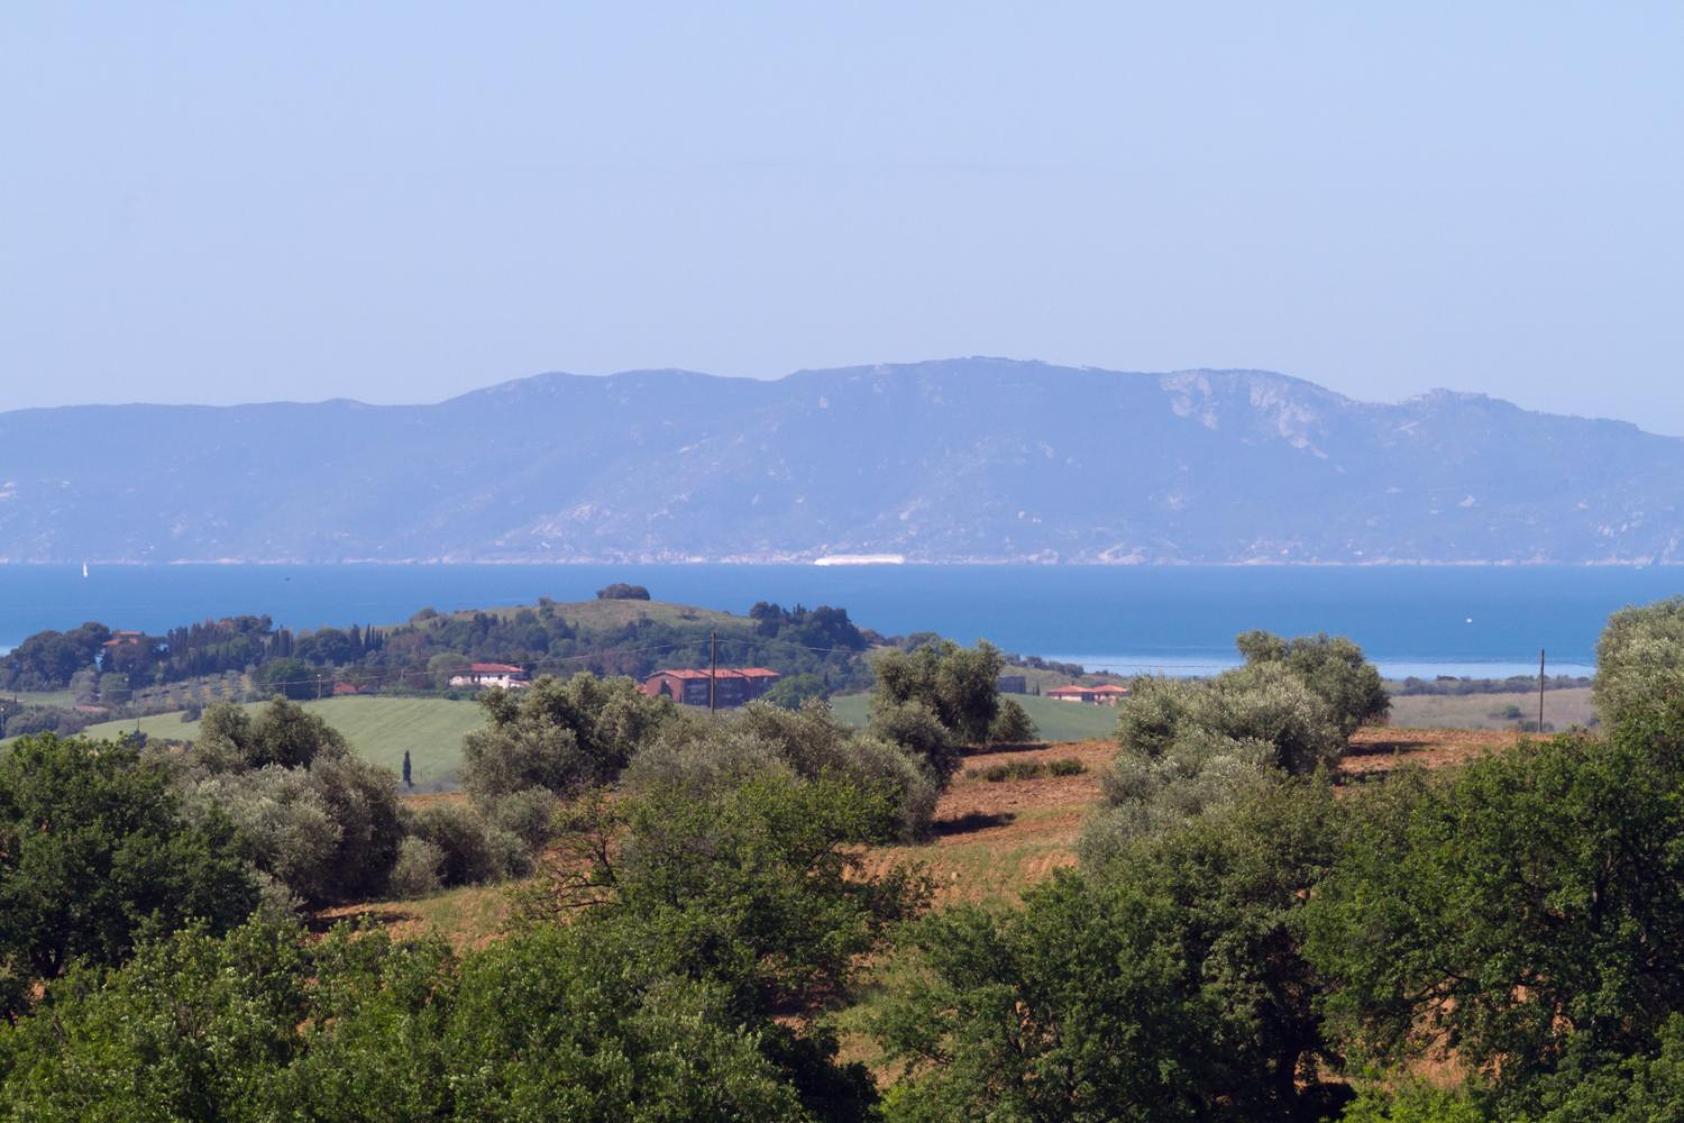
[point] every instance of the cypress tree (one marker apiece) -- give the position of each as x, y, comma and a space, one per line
407, 782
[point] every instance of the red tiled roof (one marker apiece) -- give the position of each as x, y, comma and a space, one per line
1110, 688
724, 672
1059, 691
496, 669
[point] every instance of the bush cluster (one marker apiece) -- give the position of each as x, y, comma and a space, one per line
723, 923
1033, 769
1194, 746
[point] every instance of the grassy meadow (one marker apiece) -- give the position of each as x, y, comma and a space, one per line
1054, 721
63, 699
1562, 708
378, 729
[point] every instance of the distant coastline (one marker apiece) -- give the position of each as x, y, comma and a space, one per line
1424, 615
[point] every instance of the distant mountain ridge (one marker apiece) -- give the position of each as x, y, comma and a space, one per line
962, 460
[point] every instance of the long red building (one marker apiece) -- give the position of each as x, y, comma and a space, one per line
732, 685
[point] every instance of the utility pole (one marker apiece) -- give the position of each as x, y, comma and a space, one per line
713, 668
1540, 690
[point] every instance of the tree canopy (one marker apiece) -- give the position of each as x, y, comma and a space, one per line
96, 854
560, 735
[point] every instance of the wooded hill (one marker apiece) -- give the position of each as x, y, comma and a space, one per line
818, 650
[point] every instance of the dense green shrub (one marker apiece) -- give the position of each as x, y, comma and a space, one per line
793, 691
1640, 663
418, 872
290, 678
322, 821
761, 881
26, 720
959, 685
1014, 770
558, 1023
915, 727
283, 733
1145, 796
1033, 769
194, 1028
289, 831
1332, 667
95, 852
687, 987
807, 743
1011, 724
1529, 909
1168, 986
461, 837
363, 800
529, 815
1415, 1103
561, 736
1156, 711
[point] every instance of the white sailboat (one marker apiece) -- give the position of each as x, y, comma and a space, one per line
84, 569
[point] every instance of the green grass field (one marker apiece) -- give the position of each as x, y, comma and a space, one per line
1054, 721
62, 698
378, 729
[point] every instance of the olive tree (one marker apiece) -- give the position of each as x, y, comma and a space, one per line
1640, 662
959, 685
1332, 667
806, 744
563, 736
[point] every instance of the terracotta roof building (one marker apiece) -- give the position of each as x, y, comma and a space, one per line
732, 686
1106, 694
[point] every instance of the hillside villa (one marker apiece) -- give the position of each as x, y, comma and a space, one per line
733, 686
506, 675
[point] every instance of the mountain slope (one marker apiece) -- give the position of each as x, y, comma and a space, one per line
968, 459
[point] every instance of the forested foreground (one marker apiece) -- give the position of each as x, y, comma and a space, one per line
1243, 939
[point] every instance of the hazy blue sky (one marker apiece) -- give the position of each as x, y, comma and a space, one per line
221, 202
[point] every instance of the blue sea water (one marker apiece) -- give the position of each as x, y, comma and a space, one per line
1183, 619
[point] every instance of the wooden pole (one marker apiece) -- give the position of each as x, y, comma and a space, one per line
713, 668
1540, 690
